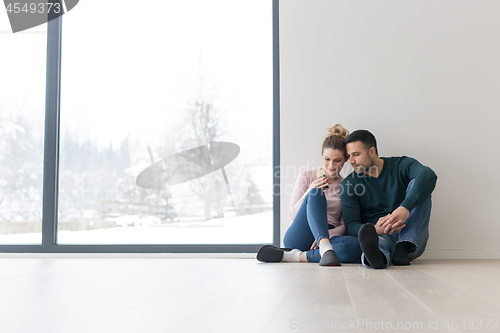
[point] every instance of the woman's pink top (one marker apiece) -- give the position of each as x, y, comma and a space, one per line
333, 210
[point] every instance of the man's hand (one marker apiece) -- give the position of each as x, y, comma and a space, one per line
379, 225
396, 220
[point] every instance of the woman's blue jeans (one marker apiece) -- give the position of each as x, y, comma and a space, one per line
311, 223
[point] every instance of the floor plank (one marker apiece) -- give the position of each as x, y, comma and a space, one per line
472, 282
378, 299
444, 298
318, 298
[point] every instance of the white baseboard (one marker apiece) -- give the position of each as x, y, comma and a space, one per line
461, 254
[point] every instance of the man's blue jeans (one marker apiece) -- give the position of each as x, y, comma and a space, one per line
415, 232
311, 223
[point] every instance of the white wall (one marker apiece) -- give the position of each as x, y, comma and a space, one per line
424, 77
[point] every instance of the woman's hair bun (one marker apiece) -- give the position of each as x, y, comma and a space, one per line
338, 130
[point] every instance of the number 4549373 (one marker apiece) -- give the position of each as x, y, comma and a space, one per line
34, 7
471, 324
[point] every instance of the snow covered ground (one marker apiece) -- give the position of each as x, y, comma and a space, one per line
248, 229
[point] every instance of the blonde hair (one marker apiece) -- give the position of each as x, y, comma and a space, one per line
336, 139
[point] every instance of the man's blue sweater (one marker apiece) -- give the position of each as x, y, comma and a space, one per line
365, 199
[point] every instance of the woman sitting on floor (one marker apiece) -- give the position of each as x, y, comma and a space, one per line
317, 214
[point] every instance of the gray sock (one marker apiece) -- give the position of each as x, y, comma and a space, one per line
291, 256
325, 247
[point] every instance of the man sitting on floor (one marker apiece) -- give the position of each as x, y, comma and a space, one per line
386, 202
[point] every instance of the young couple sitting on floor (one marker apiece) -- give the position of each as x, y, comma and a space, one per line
379, 214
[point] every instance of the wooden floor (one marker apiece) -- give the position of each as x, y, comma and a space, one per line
242, 295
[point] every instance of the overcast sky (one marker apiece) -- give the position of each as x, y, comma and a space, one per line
131, 67
128, 69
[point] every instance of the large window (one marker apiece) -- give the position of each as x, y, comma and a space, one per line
165, 118
147, 89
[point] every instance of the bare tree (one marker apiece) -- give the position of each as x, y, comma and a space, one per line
201, 124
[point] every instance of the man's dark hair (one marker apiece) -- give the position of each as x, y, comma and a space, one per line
365, 137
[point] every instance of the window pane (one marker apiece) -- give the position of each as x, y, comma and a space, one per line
166, 123
22, 108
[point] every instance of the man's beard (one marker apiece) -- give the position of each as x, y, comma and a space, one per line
365, 168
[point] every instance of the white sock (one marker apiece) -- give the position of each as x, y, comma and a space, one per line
325, 247
291, 256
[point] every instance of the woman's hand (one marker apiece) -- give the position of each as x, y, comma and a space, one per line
321, 182
314, 246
